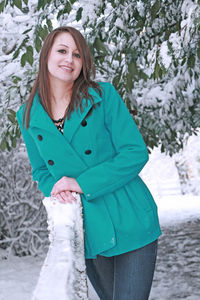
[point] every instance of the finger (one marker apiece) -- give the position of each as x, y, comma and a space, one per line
66, 197
69, 194
61, 199
57, 190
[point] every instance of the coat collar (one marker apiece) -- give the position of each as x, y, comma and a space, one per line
40, 119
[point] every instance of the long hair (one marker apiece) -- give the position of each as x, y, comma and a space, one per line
81, 84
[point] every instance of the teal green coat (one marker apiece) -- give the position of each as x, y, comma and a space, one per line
105, 153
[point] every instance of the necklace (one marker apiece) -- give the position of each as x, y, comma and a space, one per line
58, 121
59, 124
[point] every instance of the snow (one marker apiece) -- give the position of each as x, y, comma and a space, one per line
166, 59
177, 209
63, 270
18, 276
89, 10
119, 23
177, 269
189, 8
21, 19
140, 8
177, 272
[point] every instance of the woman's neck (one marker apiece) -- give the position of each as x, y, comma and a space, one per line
60, 99
61, 93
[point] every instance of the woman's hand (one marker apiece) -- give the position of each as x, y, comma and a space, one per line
65, 197
66, 184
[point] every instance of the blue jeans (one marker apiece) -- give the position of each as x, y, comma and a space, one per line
127, 276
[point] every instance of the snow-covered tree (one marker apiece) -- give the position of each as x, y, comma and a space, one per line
187, 162
148, 49
22, 215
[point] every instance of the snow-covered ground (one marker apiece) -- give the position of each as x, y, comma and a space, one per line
177, 273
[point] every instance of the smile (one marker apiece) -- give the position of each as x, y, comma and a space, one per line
66, 68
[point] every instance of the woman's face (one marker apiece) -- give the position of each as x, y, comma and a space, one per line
64, 60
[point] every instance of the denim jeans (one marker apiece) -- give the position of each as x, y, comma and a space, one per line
127, 276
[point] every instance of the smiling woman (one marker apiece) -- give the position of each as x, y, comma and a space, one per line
64, 76
97, 152
64, 61
64, 66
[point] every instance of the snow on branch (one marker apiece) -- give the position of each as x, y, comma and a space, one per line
22, 214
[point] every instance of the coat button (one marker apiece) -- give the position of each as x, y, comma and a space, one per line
88, 151
84, 123
51, 162
39, 137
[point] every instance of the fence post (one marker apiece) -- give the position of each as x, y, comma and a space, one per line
63, 274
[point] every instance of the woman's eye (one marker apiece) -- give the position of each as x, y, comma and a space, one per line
62, 51
77, 55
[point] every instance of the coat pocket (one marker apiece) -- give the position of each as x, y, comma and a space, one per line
140, 194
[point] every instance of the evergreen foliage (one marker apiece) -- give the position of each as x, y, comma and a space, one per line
149, 50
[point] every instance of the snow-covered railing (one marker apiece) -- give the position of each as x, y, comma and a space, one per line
63, 274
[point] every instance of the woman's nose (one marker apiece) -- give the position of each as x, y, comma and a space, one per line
69, 57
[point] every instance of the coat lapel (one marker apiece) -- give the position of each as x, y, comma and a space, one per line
39, 117
77, 117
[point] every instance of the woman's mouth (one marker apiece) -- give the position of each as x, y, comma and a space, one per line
66, 68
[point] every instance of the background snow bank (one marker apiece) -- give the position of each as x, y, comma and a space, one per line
177, 209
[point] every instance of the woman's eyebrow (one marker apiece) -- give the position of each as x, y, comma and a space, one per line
66, 46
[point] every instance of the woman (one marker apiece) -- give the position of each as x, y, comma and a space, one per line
98, 153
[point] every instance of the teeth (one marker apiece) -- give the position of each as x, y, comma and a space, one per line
66, 68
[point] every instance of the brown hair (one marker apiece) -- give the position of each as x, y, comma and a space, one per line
81, 84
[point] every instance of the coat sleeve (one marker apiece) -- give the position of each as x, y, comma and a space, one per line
131, 152
40, 172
